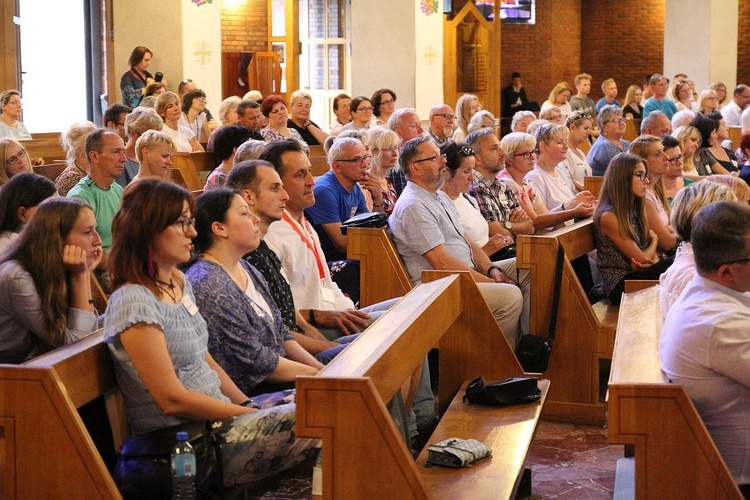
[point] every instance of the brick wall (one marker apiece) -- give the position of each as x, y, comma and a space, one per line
245, 27
547, 52
743, 44
623, 40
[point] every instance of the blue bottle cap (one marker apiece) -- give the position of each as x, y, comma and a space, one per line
182, 436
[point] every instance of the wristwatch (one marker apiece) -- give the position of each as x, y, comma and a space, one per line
508, 225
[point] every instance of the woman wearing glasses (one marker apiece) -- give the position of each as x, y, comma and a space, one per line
361, 110
673, 177
626, 246
610, 142
158, 340
651, 149
274, 108
194, 114
580, 126
45, 280
380, 195
708, 102
10, 114
520, 158
384, 104
15, 159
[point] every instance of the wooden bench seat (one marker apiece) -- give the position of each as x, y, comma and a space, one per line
675, 456
50, 170
47, 147
585, 333
364, 456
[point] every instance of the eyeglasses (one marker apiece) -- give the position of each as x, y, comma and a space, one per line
643, 176
466, 150
15, 103
357, 160
444, 157
554, 118
383, 103
185, 223
526, 155
617, 120
385, 150
676, 159
365, 108
447, 116
12, 160
737, 261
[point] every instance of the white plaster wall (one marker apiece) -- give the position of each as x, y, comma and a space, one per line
428, 60
201, 50
154, 25
723, 62
383, 48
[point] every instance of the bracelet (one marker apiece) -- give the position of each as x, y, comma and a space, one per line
492, 268
563, 206
250, 404
313, 321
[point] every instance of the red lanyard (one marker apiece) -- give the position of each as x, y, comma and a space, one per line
308, 243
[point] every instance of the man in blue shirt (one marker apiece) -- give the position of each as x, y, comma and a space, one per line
659, 101
338, 197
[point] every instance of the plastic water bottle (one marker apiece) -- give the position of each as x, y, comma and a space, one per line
183, 469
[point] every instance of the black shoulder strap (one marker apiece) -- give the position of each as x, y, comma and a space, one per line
556, 294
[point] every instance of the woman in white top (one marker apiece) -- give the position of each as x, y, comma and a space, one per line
560, 97
466, 107
580, 125
460, 162
168, 107
683, 93
194, 114
10, 113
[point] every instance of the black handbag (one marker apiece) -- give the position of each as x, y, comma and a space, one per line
369, 219
144, 469
510, 391
533, 351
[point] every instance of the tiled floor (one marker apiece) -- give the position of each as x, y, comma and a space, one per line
572, 462
567, 462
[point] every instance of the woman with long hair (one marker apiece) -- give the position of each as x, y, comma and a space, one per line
580, 125
246, 335
626, 246
708, 102
18, 203
705, 163
134, 82
690, 141
466, 107
380, 194
169, 109
651, 149
724, 156
15, 159
721, 92
194, 114
73, 141
159, 342
45, 280
632, 105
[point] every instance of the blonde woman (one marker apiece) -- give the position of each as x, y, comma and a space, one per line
380, 195
560, 95
721, 92
72, 141
483, 119
708, 102
15, 159
683, 94
154, 150
466, 107
577, 166
168, 108
632, 108
227, 116
690, 141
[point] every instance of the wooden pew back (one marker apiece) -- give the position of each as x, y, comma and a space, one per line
363, 453
38, 412
50, 170
675, 456
585, 333
48, 148
594, 185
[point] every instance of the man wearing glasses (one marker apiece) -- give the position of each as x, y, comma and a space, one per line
705, 341
442, 124
338, 196
429, 234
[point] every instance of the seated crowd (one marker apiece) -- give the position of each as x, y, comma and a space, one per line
229, 295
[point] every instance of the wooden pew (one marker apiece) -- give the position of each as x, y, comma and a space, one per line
51, 170
585, 333
382, 274
735, 134
46, 450
318, 160
593, 184
632, 130
364, 456
187, 164
47, 148
675, 456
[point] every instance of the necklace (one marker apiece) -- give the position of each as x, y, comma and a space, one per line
79, 168
168, 288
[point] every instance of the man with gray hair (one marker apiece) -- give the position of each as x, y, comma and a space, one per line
338, 196
681, 118
442, 124
655, 123
705, 346
429, 234
732, 112
406, 123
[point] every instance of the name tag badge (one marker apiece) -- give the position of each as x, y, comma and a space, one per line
327, 295
189, 305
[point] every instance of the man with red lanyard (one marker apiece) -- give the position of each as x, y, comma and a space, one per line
320, 301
